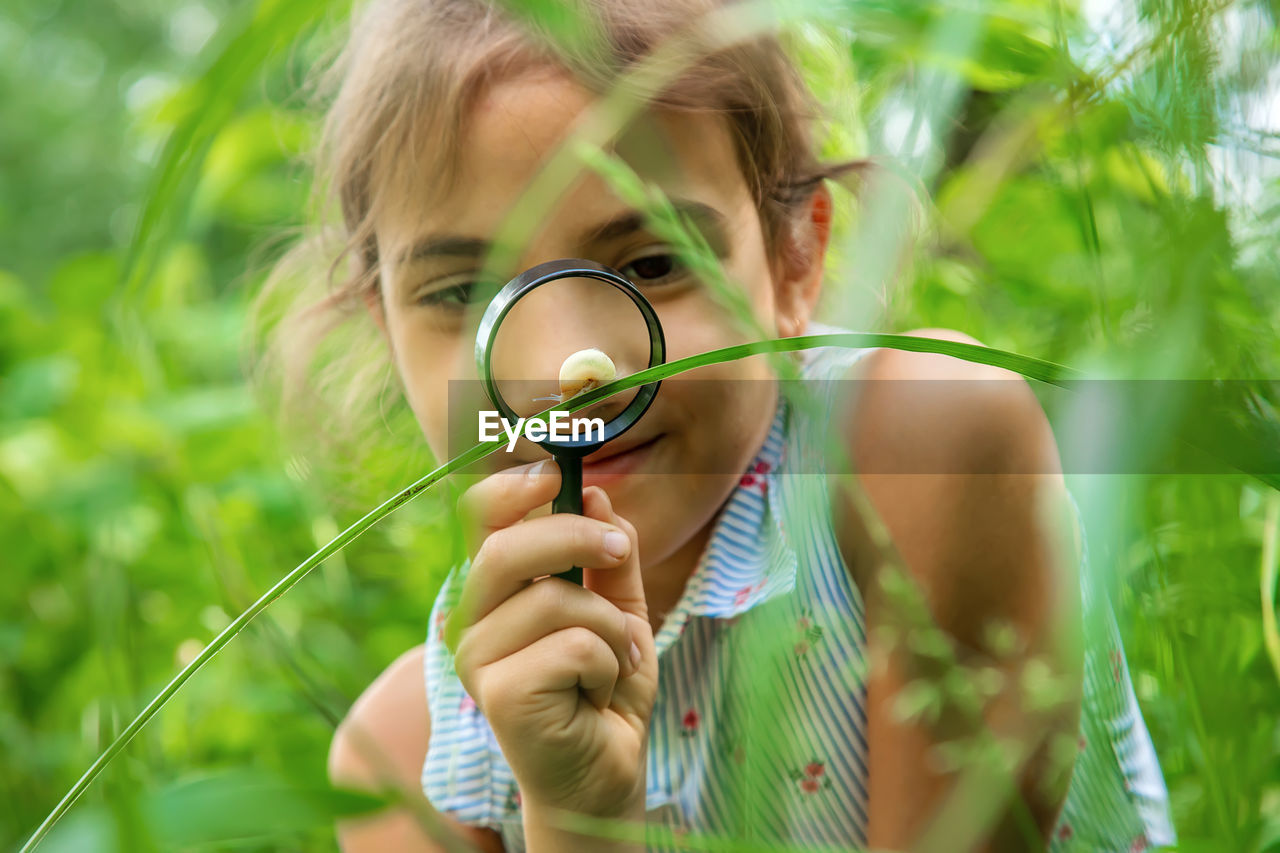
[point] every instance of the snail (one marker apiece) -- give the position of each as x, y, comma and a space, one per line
581, 372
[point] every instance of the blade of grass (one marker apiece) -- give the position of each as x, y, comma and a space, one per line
1212, 773
214, 98
689, 242
666, 837
1033, 368
1270, 566
367, 521
238, 624
1088, 219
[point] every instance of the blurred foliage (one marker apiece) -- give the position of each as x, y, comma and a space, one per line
1104, 195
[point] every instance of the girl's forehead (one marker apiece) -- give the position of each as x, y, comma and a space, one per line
517, 125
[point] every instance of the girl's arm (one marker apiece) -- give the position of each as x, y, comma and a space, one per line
381, 744
978, 470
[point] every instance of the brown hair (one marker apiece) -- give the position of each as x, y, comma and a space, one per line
413, 67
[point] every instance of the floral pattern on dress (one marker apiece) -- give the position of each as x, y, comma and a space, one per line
514, 802
740, 597
812, 778
755, 476
809, 633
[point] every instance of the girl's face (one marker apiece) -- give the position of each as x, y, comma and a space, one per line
704, 426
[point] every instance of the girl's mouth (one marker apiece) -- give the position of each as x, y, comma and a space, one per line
614, 467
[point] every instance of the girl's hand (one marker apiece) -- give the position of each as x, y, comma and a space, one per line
565, 675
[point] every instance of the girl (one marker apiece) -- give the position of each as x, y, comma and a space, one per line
746, 658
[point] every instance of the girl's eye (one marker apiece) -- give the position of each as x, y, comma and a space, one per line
452, 297
653, 269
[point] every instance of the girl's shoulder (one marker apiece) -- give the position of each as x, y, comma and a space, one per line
932, 416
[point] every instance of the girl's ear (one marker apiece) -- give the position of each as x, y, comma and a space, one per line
803, 255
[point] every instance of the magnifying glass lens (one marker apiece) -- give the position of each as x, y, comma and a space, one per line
542, 355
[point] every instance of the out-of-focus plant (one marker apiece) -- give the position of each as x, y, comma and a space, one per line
1104, 195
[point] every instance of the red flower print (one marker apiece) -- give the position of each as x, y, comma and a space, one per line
814, 778
519, 800
1116, 660
1065, 832
1082, 743
1139, 844
755, 475
690, 721
809, 633
467, 704
741, 595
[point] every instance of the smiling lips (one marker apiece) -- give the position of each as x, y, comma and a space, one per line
608, 465
616, 448
612, 462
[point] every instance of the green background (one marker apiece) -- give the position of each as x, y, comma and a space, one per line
1104, 195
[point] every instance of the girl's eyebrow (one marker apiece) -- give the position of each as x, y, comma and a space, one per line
446, 245
710, 222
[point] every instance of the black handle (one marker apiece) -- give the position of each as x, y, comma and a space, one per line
569, 499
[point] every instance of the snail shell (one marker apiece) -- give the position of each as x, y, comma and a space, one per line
584, 370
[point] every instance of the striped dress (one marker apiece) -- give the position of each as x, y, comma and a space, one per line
759, 727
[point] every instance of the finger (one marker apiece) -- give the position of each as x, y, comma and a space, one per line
502, 499
512, 557
545, 607
622, 584
567, 660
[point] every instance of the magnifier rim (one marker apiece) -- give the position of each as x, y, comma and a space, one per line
535, 277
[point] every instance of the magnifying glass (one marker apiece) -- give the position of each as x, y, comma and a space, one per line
542, 321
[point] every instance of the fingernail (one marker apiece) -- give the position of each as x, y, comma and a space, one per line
635, 656
536, 469
617, 543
